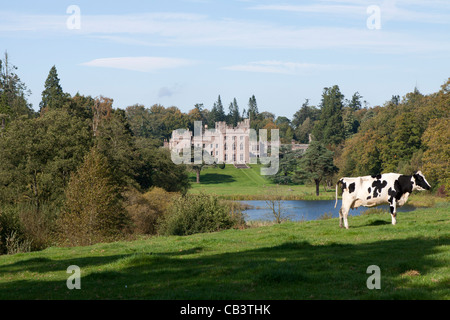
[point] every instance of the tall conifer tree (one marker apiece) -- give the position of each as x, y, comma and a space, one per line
53, 96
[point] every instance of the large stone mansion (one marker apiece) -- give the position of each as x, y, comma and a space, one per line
224, 144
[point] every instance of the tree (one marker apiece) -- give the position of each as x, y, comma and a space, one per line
317, 164
252, 110
305, 112
351, 124
302, 133
355, 103
53, 96
288, 165
13, 94
436, 158
115, 141
286, 132
275, 204
233, 115
38, 155
217, 113
220, 110
198, 167
80, 106
101, 110
330, 128
93, 208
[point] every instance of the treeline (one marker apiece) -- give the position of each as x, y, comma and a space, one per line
404, 135
79, 171
76, 173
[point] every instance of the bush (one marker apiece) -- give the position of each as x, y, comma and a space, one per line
24, 228
10, 227
38, 224
147, 209
192, 214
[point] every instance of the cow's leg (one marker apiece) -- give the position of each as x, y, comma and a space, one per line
345, 215
393, 208
345, 210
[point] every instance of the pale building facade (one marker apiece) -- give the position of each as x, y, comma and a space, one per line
224, 143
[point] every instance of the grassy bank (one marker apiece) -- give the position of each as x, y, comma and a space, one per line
248, 184
308, 260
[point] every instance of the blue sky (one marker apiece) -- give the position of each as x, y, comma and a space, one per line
184, 52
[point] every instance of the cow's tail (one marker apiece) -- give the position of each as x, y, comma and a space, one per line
337, 186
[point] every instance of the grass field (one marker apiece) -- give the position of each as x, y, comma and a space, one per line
308, 260
247, 184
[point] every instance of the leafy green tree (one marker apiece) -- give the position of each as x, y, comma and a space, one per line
351, 124
436, 158
53, 96
305, 112
5, 111
330, 128
93, 208
302, 133
38, 155
80, 106
317, 164
115, 141
289, 161
198, 167
157, 122
286, 131
165, 174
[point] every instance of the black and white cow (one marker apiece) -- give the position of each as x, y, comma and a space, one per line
370, 191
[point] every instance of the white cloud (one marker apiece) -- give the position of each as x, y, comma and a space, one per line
195, 30
392, 10
316, 8
143, 64
283, 67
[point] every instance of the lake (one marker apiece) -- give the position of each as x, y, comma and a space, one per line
304, 210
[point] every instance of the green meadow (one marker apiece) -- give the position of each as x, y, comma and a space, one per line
293, 260
288, 261
249, 184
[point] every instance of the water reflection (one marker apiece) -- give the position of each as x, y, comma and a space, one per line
304, 210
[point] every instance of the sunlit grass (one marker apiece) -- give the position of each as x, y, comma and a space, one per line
292, 260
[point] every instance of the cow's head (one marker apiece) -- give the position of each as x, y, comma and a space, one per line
420, 183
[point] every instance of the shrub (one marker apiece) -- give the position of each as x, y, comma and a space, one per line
38, 224
197, 214
9, 225
24, 227
147, 209
16, 243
